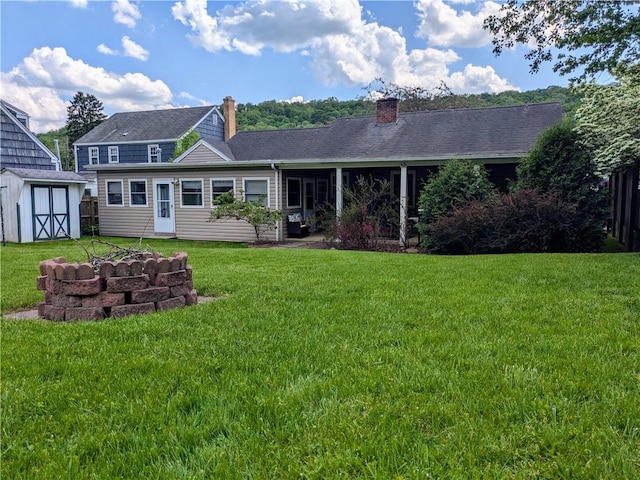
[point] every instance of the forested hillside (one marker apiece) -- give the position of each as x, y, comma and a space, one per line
275, 115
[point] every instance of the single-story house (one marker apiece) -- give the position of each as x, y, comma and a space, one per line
38, 201
298, 170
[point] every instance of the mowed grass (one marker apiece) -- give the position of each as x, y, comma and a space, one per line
334, 364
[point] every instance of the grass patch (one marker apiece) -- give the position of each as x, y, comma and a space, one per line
335, 364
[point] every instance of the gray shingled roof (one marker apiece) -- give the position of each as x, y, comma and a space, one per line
486, 132
52, 175
146, 126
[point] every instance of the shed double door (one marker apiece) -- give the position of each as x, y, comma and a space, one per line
50, 212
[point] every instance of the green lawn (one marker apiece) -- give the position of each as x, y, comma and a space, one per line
333, 364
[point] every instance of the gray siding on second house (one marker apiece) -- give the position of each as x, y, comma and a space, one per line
128, 153
19, 150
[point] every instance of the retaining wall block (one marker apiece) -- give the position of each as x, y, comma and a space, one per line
106, 270
180, 290
170, 279
170, 303
191, 298
121, 270
136, 267
53, 313
62, 300
103, 299
132, 309
150, 266
41, 282
84, 313
151, 294
84, 271
83, 287
127, 284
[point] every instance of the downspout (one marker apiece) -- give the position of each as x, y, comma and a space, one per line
403, 205
276, 171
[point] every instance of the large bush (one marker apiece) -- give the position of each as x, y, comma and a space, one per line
456, 183
524, 221
560, 165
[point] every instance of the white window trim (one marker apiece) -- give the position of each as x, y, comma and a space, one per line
201, 180
106, 190
146, 193
299, 180
117, 154
149, 147
212, 179
268, 180
97, 150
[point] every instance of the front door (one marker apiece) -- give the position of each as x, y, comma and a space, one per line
163, 208
50, 212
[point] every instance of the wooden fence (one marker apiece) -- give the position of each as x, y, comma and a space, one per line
89, 213
624, 185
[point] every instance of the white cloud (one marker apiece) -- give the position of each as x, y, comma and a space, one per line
294, 99
476, 79
444, 26
102, 48
125, 12
43, 80
79, 3
132, 49
342, 46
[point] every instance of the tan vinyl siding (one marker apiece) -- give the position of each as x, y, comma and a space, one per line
124, 221
201, 154
190, 222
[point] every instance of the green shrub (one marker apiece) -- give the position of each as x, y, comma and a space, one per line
561, 165
456, 183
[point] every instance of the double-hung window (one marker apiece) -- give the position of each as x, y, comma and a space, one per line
114, 155
114, 193
256, 190
154, 153
138, 193
94, 155
220, 186
191, 193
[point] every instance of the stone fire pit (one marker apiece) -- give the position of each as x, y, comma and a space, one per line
80, 291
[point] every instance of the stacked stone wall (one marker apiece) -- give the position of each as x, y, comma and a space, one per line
77, 291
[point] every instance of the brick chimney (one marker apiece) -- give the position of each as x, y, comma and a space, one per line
387, 110
229, 112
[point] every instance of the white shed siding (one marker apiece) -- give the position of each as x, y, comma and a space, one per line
10, 198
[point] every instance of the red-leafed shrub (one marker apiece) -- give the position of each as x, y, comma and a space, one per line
524, 221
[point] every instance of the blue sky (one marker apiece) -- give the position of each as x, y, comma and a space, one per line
142, 55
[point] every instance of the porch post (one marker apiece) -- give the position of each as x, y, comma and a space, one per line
403, 204
338, 191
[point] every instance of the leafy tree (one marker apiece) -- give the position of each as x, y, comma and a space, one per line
66, 154
85, 113
560, 165
609, 121
594, 35
261, 218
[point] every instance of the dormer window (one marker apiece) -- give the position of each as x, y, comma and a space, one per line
155, 154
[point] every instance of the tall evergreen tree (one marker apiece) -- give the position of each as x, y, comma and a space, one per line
85, 113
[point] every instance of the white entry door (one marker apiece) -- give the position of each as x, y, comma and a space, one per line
163, 208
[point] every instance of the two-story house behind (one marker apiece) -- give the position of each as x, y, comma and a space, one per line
145, 137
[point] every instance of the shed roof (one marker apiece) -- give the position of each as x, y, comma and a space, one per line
169, 124
50, 175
